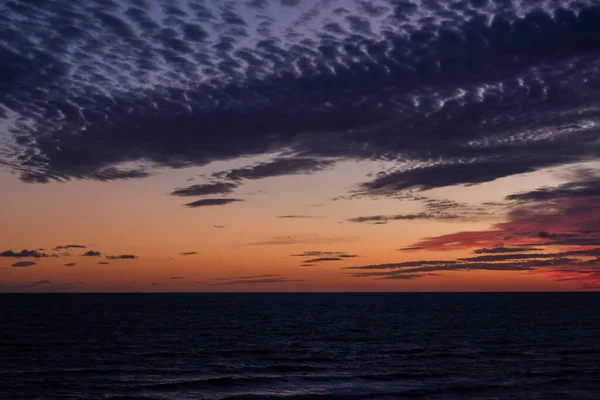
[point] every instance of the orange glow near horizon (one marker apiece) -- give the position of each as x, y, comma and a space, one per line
234, 241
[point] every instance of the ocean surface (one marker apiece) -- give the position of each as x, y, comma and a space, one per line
300, 346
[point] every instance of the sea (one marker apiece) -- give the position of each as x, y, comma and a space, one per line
300, 346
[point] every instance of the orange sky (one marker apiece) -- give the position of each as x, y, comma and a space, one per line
138, 217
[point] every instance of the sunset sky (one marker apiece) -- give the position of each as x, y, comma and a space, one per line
327, 145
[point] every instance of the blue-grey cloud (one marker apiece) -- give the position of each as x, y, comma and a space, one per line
252, 280
585, 183
25, 253
206, 189
23, 264
459, 94
212, 202
278, 167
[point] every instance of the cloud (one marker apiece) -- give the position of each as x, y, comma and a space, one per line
175, 277
297, 217
252, 280
313, 253
585, 182
403, 217
502, 249
277, 167
249, 277
527, 241
70, 264
411, 248
323, 259
122, 257
40, 282
188, 253
211, 202
435, 209
469, 94
448, 174
69, 246
91, 253
103, 262
559, 221
206, 189
387, 270
219, 226
25, 253
306, 239
23, 264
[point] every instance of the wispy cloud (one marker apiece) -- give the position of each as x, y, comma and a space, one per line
304, 239
206, 189
23, 264
253, 280
211, 202
297, 217
69, 246
122, 257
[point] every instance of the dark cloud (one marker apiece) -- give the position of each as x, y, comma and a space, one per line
188, 253
211, 202
585, 183
69, 246
219, 226
388, 270
323, 259
122, 257
297, 217
175, 277
23, 264
412, 248
249, 277
435, 209
502, 249
25, 253
206, 189
277, 167
468, 94
251, 280
103, 262
443, 175
315, 257
40, 282
91, 253
313, 253
402, 217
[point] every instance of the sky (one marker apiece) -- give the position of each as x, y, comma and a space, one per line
327, 145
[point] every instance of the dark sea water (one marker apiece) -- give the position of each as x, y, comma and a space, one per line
300, 346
